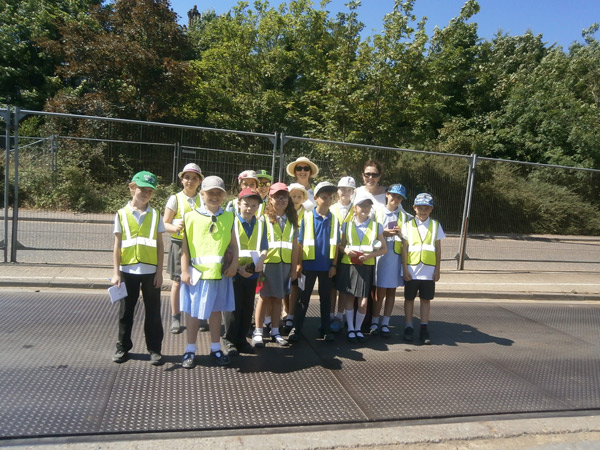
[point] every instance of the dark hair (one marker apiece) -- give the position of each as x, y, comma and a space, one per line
374, 163
290, 211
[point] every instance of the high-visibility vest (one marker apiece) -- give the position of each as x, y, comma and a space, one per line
421, 250
248, 246
308, 241
280, 242
300, 213
183, 207
261, 208
336, 211
208, 249
401, 219
365, 245
138, 242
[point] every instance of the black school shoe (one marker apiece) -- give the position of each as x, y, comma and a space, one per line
408, 334
220, 358
120, 356
424, 337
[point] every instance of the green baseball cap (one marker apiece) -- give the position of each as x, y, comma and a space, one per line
262, 173
145, 179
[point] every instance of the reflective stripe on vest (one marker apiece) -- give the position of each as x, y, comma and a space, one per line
308, 241
401, 216
280, 242
183, 207
335, 209
365, 245
138, 242
422, 250
247, 246
207, 250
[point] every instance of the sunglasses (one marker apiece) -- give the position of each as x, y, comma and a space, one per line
370, 175
265, 184
304, 168
213, 226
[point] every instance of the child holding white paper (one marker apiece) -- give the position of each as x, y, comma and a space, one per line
209, 259
138, 254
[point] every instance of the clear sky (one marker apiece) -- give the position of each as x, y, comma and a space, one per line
558, 21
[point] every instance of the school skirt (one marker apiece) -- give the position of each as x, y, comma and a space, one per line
207, 296
174, 260
276, 280
354, 279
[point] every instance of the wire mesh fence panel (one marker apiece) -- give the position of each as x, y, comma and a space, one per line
444, 177
524, 214
75, 176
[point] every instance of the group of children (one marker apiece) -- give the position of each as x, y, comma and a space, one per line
277, 240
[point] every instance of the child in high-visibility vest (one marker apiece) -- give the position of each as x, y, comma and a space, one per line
209, 259
388, 268
280, 266
362, 241
138, 255
246, 179
299, 196
177, 206
251, 235
319, 239
421, 257
264, 184
344, 213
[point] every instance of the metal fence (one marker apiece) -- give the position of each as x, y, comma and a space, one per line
102, 153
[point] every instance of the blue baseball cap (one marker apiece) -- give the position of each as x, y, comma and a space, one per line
423, 199
397, 189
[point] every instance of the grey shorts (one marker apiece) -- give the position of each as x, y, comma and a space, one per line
174, 260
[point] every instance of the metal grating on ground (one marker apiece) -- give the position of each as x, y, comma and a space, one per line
57, 377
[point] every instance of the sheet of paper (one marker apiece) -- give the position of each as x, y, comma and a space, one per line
255, 257
196, 274
301, 282
117, 293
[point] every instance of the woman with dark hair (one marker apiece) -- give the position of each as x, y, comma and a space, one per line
372, 172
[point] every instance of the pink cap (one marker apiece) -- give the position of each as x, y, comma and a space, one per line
249, 193
275, 188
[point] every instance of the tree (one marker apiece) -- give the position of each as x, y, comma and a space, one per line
26, 67
127, 59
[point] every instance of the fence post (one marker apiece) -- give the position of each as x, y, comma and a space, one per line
6, 115
466, 212
176, 158
282, 141
15, 220
274, 142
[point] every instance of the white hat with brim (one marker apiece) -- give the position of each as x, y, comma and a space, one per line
191, 167
325, 186
362, 197
347, 182
298, 187
314, 170
213, 182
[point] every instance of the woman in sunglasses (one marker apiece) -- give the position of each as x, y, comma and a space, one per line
302, 170
372, 172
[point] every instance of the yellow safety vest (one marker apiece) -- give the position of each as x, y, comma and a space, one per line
207, 250
138, 242
335, 209
365, 245
422, 250
401, 219
248, 245
261, 208
300, 213
308, 241
183, 207
280, 242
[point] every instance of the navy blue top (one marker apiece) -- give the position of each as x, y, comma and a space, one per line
322, 233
